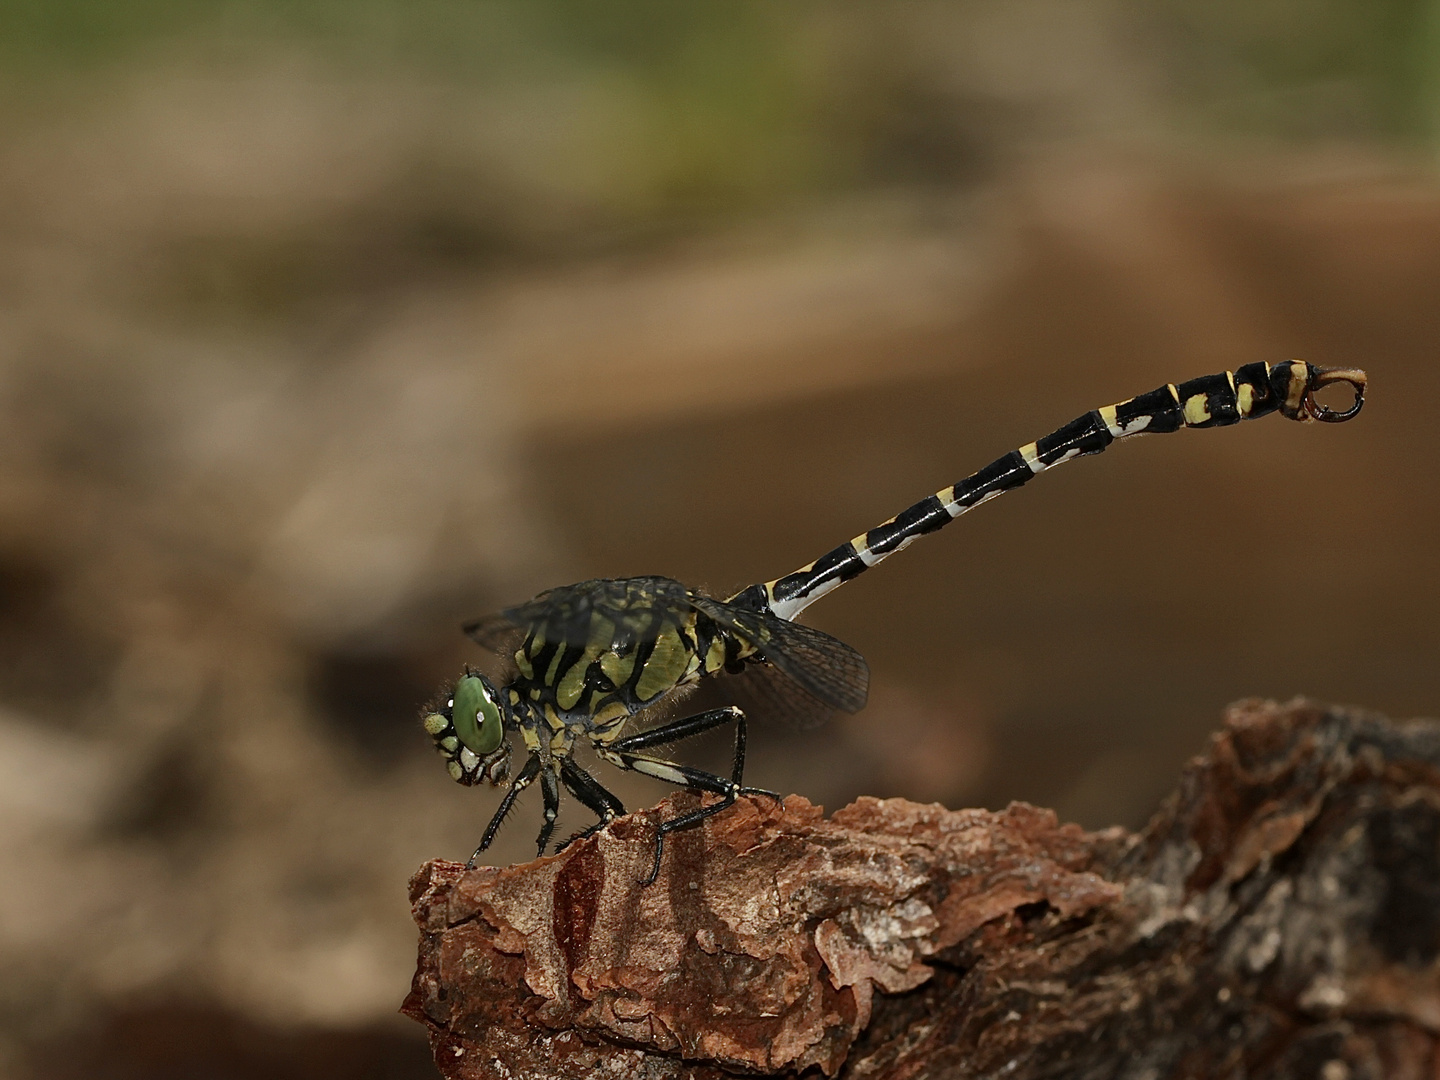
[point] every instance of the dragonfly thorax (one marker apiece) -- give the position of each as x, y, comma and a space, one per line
601, 651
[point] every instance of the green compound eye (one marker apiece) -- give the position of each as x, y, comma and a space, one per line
476, 719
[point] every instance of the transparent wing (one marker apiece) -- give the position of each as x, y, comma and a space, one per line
562, 615
822, 666
495, 631
627, 610
765, 692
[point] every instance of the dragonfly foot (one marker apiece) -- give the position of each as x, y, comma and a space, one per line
775, 795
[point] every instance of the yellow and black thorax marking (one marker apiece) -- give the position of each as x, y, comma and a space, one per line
603, 650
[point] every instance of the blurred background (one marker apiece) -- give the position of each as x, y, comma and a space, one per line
327, 326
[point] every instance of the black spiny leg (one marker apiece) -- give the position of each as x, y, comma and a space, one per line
691, 726
524, 779
593, 794
618, 753
683, 775
550, 789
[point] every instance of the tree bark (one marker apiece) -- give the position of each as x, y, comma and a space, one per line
1279, 917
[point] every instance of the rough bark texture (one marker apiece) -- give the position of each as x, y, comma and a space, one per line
1279, 917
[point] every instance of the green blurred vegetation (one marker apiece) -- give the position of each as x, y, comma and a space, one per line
1306, 68
592, 125
715, 92
735, 85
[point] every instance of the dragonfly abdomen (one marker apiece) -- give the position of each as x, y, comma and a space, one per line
1209, 401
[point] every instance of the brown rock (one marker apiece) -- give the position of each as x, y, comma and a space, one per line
1280, 917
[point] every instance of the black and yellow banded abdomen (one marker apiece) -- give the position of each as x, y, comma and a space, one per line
1209, 401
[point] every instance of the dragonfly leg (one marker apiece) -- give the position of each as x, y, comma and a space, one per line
682, 776
524, 779
550, 789
593, 794
690, 726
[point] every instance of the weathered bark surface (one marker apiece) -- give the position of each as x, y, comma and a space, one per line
1279, 917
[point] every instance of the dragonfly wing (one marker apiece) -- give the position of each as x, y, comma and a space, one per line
561, 615
823, 666
494, 631
503, 631
621, 611
763, 690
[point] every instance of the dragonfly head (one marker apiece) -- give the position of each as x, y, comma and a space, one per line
469, 731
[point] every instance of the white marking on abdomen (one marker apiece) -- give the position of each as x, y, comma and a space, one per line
902, 545
954, 507
1119, 430
868, 557
788, 609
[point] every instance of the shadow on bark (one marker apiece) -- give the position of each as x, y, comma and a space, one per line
1279, 917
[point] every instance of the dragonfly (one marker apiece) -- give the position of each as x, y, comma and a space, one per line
594, 661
